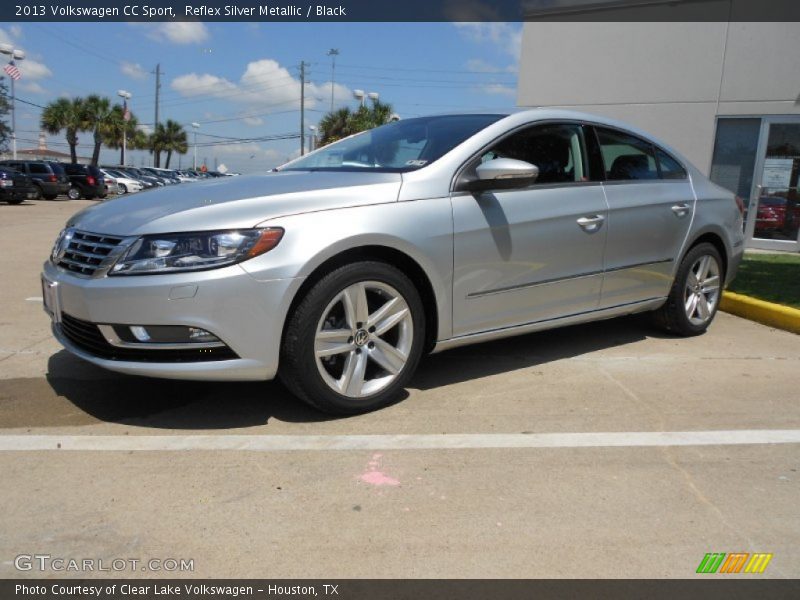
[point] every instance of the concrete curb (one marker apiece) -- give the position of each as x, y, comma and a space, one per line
768, 313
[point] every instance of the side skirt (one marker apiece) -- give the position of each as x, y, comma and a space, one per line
584, 317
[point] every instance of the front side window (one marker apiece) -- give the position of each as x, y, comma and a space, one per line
626, 157
398, 147
558, 150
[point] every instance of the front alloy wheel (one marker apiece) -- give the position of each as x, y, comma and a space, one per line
74, 193
354, 340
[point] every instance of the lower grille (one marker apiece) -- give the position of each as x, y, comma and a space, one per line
87, 337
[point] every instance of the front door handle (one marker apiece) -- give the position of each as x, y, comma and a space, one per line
591, 224
681, 210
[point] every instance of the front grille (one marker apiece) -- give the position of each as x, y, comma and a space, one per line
87, 337
86, 252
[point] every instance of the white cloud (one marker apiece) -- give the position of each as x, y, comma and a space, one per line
478, 65
497, 89
133, 70
181, 32
264, 84
34, 70
16, 31
507, 37
30, 86
253, 121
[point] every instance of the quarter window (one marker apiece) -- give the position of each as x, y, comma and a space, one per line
668, 166
626, 157
558, 151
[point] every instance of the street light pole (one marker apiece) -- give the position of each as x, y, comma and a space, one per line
195, 126
333, 53
125, 118
15, 54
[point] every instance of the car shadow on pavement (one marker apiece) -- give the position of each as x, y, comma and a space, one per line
100, 395
169, 404
524, 351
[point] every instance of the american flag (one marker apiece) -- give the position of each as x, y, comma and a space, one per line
12, 71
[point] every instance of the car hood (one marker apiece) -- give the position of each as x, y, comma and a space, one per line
236, 202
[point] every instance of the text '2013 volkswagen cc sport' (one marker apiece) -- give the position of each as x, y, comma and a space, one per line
339, 270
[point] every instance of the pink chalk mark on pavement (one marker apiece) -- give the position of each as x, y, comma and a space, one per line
373, 476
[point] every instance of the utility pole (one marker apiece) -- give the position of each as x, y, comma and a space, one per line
156, 157
302, 108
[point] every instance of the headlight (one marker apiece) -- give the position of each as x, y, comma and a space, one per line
172, 253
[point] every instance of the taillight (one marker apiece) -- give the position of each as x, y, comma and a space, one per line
53, 178
740, 205
90, 180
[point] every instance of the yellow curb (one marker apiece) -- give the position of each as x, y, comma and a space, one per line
768, 313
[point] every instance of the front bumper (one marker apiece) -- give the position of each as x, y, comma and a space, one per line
247, 315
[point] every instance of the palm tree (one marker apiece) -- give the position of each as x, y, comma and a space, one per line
343, 122
173, 139
98, 115
117, 128
68, 115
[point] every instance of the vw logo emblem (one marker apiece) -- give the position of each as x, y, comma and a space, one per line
361, 337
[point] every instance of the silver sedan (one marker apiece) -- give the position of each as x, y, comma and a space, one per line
337, 272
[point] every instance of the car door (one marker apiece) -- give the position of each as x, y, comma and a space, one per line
531, 254
650, 208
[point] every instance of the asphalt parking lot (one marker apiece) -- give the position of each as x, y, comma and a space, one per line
291, 505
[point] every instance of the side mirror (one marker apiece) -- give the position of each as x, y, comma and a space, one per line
503, 174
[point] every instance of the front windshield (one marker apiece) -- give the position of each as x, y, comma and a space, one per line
397, 147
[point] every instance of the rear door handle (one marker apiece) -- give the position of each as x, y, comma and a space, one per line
591, 224
681, 210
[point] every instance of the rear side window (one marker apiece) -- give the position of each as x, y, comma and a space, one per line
57, 169
670, 168
38, 168
626, 157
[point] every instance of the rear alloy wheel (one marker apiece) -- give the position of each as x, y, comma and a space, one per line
37, 193
694, 298
74, 193
355, 339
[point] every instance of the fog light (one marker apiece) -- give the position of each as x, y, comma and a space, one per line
201, 335
140, 333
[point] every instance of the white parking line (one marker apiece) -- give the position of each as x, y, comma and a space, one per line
286, 443
34, 299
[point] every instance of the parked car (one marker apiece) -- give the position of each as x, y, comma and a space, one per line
125, 183
15, 186
147, 181
85, 180
48, 182
339, 271
162, 174
776, 215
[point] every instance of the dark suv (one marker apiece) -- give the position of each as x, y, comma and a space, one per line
48, 182
14, 186
85, 180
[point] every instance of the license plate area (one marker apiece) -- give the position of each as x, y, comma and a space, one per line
50, 299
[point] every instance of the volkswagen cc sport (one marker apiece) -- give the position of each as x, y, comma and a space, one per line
340, 269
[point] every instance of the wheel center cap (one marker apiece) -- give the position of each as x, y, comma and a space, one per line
361, 337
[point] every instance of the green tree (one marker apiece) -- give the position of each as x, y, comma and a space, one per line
67, 115
174, 139
117, 128
98, 115
344, 122
5, 109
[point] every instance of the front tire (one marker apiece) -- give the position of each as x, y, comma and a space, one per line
123, 189
74, 193
695, 294
354, 340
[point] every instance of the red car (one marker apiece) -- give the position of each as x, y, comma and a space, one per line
774, 217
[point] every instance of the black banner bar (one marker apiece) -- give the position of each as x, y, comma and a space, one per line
415, 589
400, 11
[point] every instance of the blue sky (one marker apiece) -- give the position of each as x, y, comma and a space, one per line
241, 80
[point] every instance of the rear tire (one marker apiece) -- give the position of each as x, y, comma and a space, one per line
695, 294
15, 200
37, 193
354, 340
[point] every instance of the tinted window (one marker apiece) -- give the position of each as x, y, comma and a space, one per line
670, 168
38, 168
558, 151
401, 146
626, 157
57, 169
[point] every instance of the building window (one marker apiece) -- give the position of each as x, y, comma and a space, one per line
735, 149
